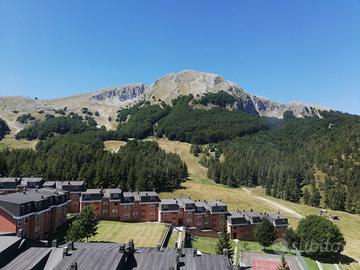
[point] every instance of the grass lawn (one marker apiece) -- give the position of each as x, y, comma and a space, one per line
205, 244
144, 234
173, 238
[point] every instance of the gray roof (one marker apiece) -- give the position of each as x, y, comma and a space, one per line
49, 184
216, 203
103, 256
276, 219
11, 202
29, 259
168, 201
8, 241
9, 179
93, 191
237, 218
100, 256
21, 197
72, 183
32, 179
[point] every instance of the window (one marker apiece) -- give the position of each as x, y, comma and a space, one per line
114, 211
126, 215
115, 203
26, 220
19, 222
135, 214
152, 213
37, 217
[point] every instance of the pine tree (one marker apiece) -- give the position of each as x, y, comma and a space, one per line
315, 195
224, 243
307, 196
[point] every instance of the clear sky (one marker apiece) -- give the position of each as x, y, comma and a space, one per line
307, 50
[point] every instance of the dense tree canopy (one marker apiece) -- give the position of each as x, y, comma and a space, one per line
284, 159
319, 237
4, 128
138, 122
59, 125
136, 166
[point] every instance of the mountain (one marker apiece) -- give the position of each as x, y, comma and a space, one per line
108, 100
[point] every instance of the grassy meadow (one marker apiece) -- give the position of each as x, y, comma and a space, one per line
144, 234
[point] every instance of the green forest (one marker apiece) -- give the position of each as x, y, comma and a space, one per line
136, 166
285, 159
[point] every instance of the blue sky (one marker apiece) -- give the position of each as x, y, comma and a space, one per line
307, 50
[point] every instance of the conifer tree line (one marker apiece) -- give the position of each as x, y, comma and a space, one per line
284, 160
136, 166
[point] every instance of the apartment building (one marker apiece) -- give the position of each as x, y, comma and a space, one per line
75, 188
9, 184
36, 212
14, 184
280, 223
114, 204
241, 225
199, 214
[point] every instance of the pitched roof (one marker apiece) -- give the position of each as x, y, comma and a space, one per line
9, 179
100, 256
8, 241
29, 259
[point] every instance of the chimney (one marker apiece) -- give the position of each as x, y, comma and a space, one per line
20, 233
131, 246
55, 243
122, 248
73, 266
65, 251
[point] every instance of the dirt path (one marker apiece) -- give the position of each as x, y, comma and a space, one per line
277, 205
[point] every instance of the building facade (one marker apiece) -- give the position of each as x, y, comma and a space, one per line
114, 204
241, 225
37, 212
200, 214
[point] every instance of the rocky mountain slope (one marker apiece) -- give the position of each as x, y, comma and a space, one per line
108, 100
